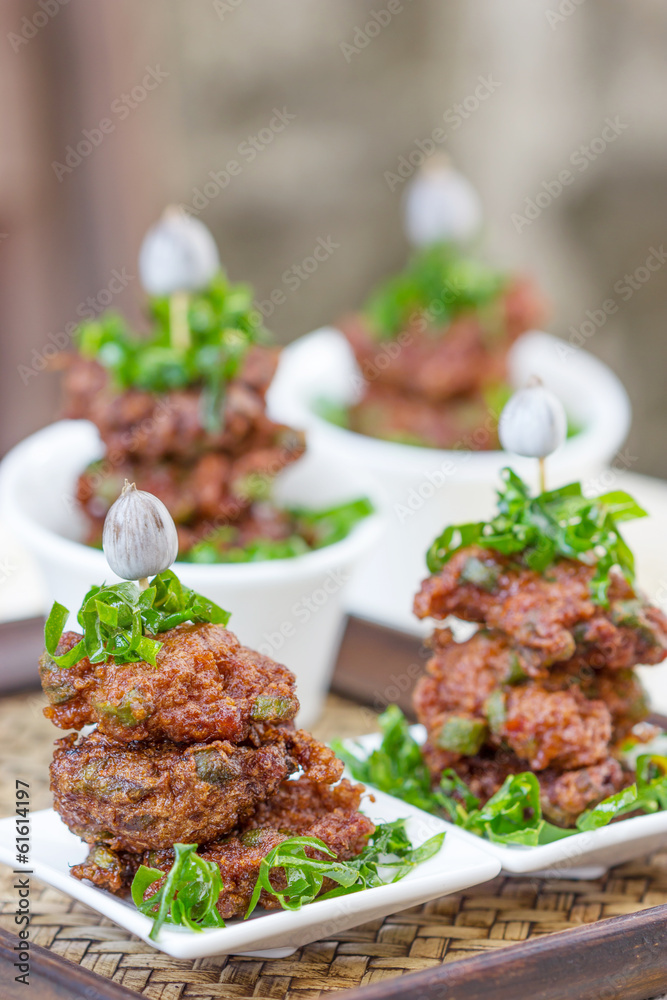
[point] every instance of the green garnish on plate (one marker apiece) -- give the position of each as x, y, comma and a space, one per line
538, 530
188, 896
514, 814
438, 281
192, 885
118, 620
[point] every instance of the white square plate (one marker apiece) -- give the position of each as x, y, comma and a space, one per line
460, 863
584, 855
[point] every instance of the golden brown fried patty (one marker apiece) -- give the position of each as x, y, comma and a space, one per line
143, 425
550, 617
459, 358
301, 808
142, 796
462, 676
562, 729
108, 869
206, 686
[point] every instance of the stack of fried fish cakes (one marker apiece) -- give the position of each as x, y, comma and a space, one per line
205, 477
199, 749
547, 682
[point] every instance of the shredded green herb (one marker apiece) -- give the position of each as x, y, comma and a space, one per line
223, 325
438, 283
514, 814
118, 620
388, 857
310, 530
192, 886
188, 896
541, 529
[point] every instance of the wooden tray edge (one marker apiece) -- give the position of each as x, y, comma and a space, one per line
53, 977
615, 957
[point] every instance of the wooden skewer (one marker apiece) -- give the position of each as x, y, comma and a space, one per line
178, 320
543, 482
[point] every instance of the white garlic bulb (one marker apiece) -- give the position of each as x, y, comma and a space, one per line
441, 205
178, 254
139, 537
533, 423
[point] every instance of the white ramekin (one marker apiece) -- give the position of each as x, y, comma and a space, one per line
427, 488
289, 609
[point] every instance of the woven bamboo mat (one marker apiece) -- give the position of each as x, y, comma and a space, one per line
488, 917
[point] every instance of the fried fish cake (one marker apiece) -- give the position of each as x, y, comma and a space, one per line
562, 729
302, 807
108, 869
620, 690
140, 796
206, 685
317, 761
449, 360
146, 426
461, 676
471, 696
550, 617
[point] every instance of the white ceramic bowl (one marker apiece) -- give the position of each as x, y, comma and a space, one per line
426, 488
289, 609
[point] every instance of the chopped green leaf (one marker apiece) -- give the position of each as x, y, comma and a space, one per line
539, 530
191, 888
188, 895
309, 530
605, 811
438, 284
651, 782
223, 324
514, 814
388, 857
118, 620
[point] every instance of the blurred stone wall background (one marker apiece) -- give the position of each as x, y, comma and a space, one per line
525, 89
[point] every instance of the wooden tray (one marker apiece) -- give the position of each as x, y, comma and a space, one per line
510, 938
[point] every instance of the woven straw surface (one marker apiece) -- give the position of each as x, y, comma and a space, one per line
491, 916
